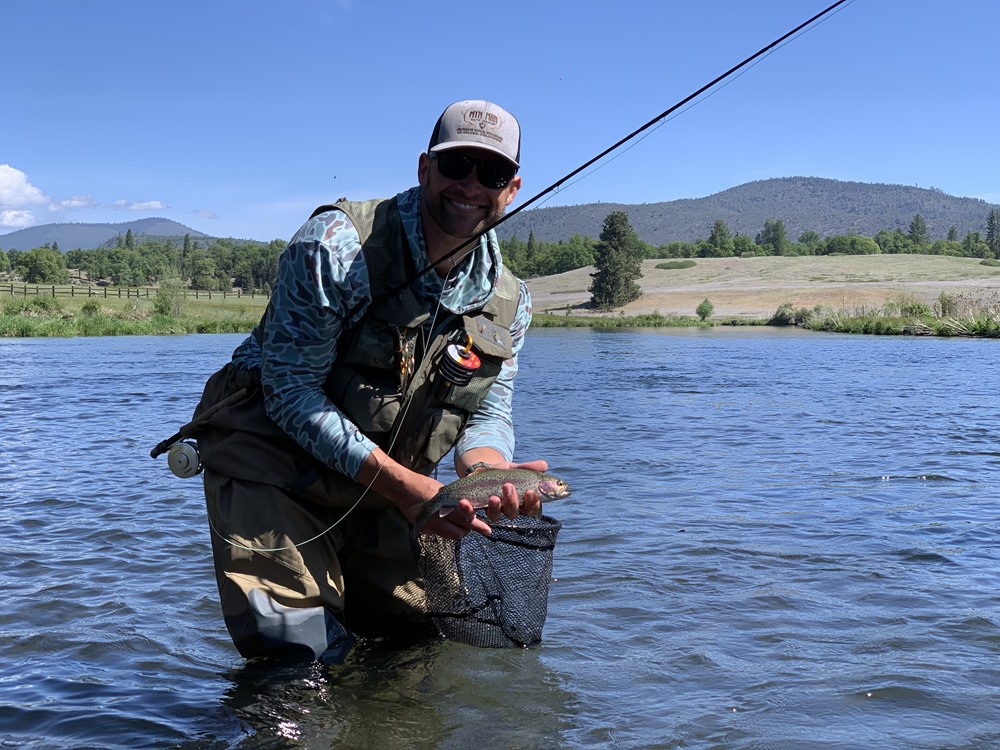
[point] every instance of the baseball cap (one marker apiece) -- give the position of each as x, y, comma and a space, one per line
478, 124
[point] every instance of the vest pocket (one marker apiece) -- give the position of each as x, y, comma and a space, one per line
469, 397
493, 344
372, 406
435, 435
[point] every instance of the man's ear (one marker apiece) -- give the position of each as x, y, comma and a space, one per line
512, 188
423, 169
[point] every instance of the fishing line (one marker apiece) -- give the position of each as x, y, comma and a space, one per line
665, 118
770, 47
652, 125
378, 471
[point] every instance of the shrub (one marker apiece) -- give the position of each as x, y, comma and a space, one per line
783, 316
946, 305
169, 300
671, 265
906, 306
992, 262
35, 307
704, 310
90, 308
787, 315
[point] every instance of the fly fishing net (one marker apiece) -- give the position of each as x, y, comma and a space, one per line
492, 591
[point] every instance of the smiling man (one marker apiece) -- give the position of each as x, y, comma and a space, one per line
363, 374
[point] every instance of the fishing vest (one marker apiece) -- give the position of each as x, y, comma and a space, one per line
389, 376
411, 410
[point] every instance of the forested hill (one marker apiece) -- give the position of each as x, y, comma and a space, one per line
89, 236
828, 207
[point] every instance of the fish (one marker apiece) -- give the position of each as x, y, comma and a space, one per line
481, 485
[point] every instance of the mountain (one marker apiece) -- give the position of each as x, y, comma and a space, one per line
89, 236
828, 207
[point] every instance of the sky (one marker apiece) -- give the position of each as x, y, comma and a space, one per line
237, 119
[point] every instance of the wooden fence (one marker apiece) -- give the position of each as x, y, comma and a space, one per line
116, 292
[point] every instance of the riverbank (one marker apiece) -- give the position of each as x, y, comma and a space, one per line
872, 294
41, 316
756, 287
900, 294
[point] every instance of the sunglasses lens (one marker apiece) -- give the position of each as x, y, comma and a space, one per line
491, 174
454, 166
495, 175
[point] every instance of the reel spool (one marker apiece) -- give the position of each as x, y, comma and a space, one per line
459, 363
183, 459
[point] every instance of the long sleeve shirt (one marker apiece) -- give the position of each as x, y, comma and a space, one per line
322, 289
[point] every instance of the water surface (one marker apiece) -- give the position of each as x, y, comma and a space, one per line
777, 540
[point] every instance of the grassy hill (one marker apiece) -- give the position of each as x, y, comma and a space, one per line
756, 287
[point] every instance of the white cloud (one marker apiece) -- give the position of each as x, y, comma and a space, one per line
20, 201
74, 201
15, 190
16, 218
139, 206
205, 213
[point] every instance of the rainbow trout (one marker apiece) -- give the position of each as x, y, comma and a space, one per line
480, 486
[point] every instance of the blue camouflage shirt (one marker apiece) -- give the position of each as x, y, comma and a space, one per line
321, 291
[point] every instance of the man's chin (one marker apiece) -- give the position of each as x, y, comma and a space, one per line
464, 229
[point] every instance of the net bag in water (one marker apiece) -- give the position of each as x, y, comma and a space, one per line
493, 591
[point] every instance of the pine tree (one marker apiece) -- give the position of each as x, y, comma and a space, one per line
993, 232
773, 236
918, 231
618, 264
721, 239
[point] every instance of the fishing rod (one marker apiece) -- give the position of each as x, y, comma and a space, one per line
555, 186
666, 113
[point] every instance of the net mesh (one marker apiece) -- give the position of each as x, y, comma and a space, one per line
493, 591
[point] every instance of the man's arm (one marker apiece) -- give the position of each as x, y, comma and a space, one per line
322, 281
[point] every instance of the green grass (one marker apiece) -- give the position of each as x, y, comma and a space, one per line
40, 316
648, 320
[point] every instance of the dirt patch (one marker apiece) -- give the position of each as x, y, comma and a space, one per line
756, 287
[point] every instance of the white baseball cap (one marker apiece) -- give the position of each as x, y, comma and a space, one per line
478, 124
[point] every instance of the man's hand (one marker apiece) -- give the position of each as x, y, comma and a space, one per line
509, 504
456, 524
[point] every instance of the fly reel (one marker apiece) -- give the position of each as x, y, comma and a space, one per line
183, 459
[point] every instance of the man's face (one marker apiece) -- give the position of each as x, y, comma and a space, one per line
464, 207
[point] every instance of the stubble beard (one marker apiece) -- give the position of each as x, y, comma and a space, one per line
454, 225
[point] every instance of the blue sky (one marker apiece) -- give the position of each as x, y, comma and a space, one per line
238, 118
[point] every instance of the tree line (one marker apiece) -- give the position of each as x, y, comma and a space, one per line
618, 255
219, 265
533, 258
222, 264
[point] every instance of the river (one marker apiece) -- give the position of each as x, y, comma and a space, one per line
777, 539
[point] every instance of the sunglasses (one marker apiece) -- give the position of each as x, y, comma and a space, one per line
495, 175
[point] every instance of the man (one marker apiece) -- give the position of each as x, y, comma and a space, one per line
364, 372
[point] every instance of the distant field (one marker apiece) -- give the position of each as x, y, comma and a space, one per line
756, 287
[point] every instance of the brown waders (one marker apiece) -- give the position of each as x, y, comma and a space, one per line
292, 571
292, 575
